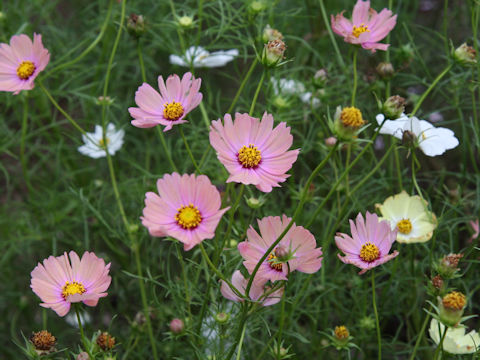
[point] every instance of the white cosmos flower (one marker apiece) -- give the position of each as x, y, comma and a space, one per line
456, 341
292, 87
94, 146
199, 57
410, 216
433, 141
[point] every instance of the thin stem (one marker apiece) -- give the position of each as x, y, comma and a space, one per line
242, 85
185, 282
430, 88
355, 80
189, 151
440, 344
347, 162
420, 335
330, 33
387, 58
140, 60
397, 165
282, 317
80, 326
374, 302
414, 176
23, 159
166, 149
260, 83
240, 343
240, 333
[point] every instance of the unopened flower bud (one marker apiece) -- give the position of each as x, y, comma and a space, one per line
222, 318
257, 6
385, 70
255, 203
185, 22
105, 341
406, 54
273, 53
320, 78
133, 228
341, 337
331, 141
177, 326
437, 282
447, 266
451, 308
409, 139
465, 55
367, 323
136, 25
393, 107
270, 34
347, 122
232, 243
83, 356
104, 100
140, 319
281, 252
280, 102
43, 342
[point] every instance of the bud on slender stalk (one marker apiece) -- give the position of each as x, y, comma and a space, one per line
451, 308
177, 326
273, 52
385, 70
136, 25
465, 55
185, 22
393, 107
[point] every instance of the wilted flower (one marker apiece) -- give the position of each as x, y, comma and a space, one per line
253, 151
456, 341
21, 62
176, 99
136, 25
270, 34
273, 52
60, 281
366, 28
198, 57
95, 145
296, 251
393, 107
451, 308
187, 209
177, 326
105, 341
447, 266
43, 342
438, 282
369, 244
465, 55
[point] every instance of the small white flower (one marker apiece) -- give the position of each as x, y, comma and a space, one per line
199, 57
456, 341
94, 146
292, 87
432, 141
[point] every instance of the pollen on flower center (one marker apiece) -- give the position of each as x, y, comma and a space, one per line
352, 117
25, 69
404, 226
369, 252
341, 332
249, 156
454, 301
101, 143
273, 262
188, 217
72, 288
357, 30
173, 110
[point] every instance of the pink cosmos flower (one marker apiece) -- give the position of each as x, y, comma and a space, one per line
476, 229
60, 281
188, 209
176, 99
369, 244
367, 27
252, 151
296, 250
257, 291
21, 62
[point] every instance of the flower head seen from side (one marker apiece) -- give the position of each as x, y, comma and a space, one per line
169, 107
67, 279
199, 57
254, 152
21, 62
296, 251
369, 244
95, 144
367, 27
456, 341
409, 215
433, 141
258, 292
186, 208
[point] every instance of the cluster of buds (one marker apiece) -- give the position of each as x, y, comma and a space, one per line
272, 54
393, 107
136, 25
105, 341
465, 55
270, 34
347, 122
447, 267
43, 342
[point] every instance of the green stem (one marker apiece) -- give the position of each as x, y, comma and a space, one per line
420, 335
189, 151
140, 60
23, 159
255, 97
330, 33
440, 344
414, 176
240, 343
240, 333
397, 164
282, 317
242, 85
80, 326
355, 80
387, 58
185, 282
379, 336
430, 88
166, 149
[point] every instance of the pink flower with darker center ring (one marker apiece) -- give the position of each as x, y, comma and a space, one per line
169, 107
187, 209
296, 251
369, 244
58, 282
366, 28
254, 152
21, 62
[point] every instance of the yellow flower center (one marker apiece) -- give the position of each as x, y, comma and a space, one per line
25, 70
369, 252
188, 217
357, 30
454, 301
352, 117
273, 261
249, 156
404, 226
72, 288
173, 111
101, 143
341, 332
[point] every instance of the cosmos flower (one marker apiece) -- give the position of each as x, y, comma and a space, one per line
94, 144
369, 244
21, 62
60, 281
257, 291
199, 57
187, 209
252, 151
456, 341
176, 99
409, 215
366, 28
296, 251
433, 141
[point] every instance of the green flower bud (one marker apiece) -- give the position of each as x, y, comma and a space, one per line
273, 52
136, 25
465, 55
393, 107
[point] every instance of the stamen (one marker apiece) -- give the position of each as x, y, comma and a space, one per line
72, 288
173, 111
357, 30
404, 226
25, 69
369, 252
273, 262
188, 217
249, 156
